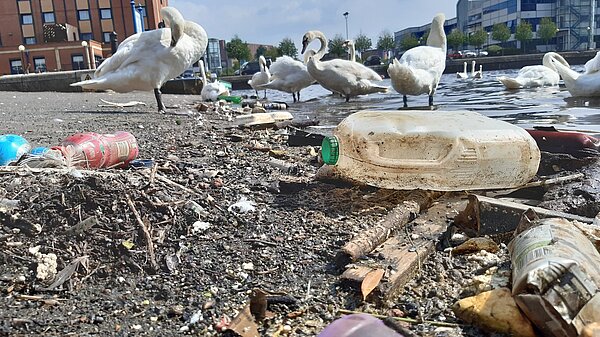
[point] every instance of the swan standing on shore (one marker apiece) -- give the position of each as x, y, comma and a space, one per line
340, 76
536, 76
262, 77
581, 85
211, 91
464, 73
146, 60
420, 68
289, 75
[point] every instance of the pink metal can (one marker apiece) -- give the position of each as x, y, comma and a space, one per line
93, 150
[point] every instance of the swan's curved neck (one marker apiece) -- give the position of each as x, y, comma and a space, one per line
437, 36
548, 57
472, 67
175, 21
465, 67
321, 52
352, 52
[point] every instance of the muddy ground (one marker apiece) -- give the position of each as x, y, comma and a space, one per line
207, 255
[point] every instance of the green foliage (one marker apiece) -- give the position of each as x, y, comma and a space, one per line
362, 43
501, 32
385, 41
272, 53
424, 38
455, 39
547, 30
408, 41
261, 50
336, 46
494, 50
478, 38
523, 33
287, 47
238, 49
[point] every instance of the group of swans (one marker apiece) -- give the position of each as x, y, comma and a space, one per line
146, 60
291, 76
474, 74
420, 68
542, 75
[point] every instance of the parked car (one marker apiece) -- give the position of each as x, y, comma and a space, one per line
373, 60
455, 55
189, 73
249, 68
482, 53
469, 53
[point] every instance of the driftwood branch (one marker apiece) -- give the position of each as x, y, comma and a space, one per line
146, 232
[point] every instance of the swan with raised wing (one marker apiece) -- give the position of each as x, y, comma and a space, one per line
464, 73
291, 76
211, 90
537, 75
262, 77
420, 68
345, 77
581, 85
146, 60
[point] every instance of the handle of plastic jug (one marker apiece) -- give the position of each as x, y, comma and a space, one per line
373, 156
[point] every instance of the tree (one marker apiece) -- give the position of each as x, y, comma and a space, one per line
362, 43
478, 38
272, 53
336, 46
408, 41
547, 30
455, 39
261, 50
500, 32
287, 47
385, 41
523, 33
238, 49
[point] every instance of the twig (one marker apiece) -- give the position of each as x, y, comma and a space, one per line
551, 181
172, 183
266, 243
153, 173
147, 235
404, 319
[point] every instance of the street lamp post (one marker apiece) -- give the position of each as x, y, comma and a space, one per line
346, 16
589, 44
22, 50
488, 40
85, 46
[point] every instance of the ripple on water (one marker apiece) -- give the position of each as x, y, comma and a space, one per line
526, 107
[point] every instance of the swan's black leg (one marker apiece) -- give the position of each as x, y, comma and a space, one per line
159, 102
298, 96
265, 94
294, 95
347, 98
405, 100
430, 100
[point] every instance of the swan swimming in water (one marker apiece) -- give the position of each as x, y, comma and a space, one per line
581, 85
262, 77
146, 60
211, 91
289, 75
464, 73
340, 76
420, 68
476, 74
537, 75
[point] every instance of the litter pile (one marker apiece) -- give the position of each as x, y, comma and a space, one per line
232, 226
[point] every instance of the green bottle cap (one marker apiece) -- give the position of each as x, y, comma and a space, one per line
330, 150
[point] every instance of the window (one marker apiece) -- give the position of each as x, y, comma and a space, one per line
105, 13
106, 37
49, 17
86, 36
29, 40
26, 19
16, 67
39, 64
83, 15
77, 61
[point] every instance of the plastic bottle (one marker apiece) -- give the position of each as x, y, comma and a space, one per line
358, 325
554, 141
12, 147
92, 150
445, 151
232, 99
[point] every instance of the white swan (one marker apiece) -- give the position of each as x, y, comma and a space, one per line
340, 76
211, 91
464, 73
581, 85
289, 75
476, 74
145, 61
537, 75
261, 77
420, 68
350, 45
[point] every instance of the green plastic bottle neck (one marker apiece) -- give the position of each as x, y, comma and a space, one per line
330, 150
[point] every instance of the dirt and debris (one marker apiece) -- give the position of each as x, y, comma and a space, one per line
224, 216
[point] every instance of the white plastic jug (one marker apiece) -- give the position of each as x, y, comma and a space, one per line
440, 150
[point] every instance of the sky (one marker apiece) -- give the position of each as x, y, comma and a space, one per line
270, 21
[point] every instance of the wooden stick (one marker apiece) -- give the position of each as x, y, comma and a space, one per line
172, 183
404, 319
365, 242
147, 235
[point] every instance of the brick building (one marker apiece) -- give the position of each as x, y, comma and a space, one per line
54, 35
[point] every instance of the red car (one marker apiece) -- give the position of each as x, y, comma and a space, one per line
455, 55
